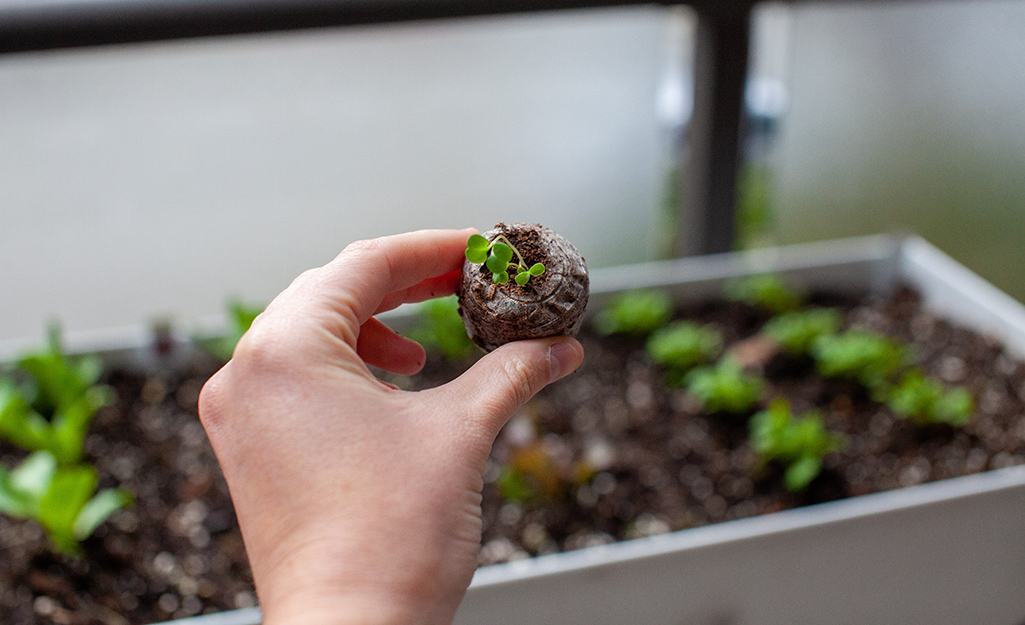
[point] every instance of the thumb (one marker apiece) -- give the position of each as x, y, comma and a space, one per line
502, 381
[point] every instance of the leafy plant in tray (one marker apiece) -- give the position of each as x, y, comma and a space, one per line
637, 313
796, 331
548, 293
924, 401
60, 498
797, 443
53, 406
766, 291
725, 388
681, 346
441, 328
49, 415
867, 357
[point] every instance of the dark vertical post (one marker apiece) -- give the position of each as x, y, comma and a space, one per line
709, 184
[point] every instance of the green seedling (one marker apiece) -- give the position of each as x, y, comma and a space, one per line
638, 313
867, 357
724, 388
442, 329
497, 256
796, 443
797, 331
54, 406
767, 292
925, 401
62, 499
682, 346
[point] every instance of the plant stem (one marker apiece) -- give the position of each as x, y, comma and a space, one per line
504, 239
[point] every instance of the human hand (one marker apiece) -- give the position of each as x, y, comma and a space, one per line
359, 502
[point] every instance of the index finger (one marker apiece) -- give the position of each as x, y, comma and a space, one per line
366, 272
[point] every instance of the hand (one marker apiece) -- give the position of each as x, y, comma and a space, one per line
359, 502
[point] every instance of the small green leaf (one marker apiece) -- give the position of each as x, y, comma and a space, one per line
14, 502
69, 492
537, 269
98, 509
476, 256
522, 277
502, 252
801, 473
35, 473
496, 264
477, 242
500, 278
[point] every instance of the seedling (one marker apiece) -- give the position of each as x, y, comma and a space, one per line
497, 256
53, 410
682, 346
924, 401
797, 443
442, 329
866, 357
62, 499
767, 292
797, 331
638, 313
724, 388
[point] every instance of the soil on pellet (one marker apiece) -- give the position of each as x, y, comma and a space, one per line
657, 464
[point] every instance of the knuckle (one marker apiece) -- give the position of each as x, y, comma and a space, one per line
522, 379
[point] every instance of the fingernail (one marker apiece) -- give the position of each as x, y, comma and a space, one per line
562, 360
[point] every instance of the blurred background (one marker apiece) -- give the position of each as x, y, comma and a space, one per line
155, 181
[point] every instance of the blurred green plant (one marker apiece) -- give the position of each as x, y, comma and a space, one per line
637, 313
53, 403
767, 292
925, 401
796, 332
441, 328
240, 318
867, 357
681, 346
724, 388
796, 443
61, 499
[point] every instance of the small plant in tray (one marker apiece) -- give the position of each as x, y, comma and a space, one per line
925, 401
441, 329
767, 292
48, 414
681, 346
725, 388
637, 313
796, 331
797, 443
866, 357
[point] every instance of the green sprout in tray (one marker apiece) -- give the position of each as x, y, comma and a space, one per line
924, 401
638, 313
767, 292
866, 357
797, 443
725, 388
797, 331
683, 345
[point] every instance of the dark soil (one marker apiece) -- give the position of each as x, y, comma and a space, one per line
617, 454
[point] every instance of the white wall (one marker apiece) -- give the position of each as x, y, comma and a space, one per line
159, 180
